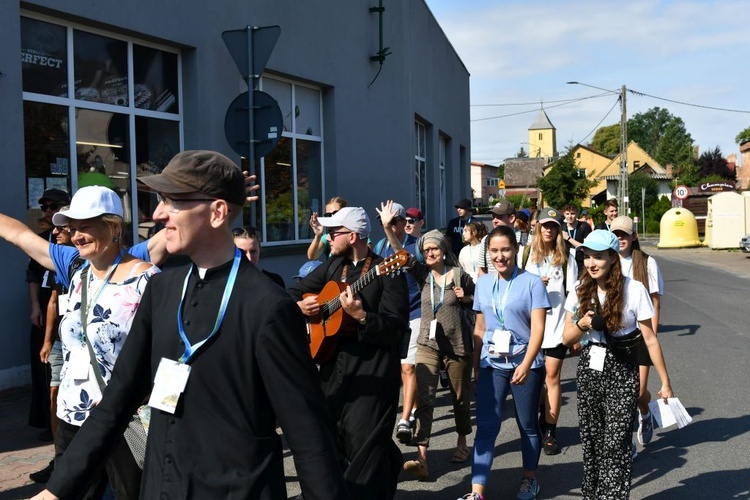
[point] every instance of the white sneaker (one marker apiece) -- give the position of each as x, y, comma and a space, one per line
645, 428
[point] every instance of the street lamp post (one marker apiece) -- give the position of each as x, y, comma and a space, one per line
622, 185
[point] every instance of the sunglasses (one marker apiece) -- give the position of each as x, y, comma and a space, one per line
411, 221
242, 232
330, 214
49, 206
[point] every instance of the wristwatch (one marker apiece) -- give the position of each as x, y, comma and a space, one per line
363, 321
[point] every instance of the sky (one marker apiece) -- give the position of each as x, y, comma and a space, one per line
522, 53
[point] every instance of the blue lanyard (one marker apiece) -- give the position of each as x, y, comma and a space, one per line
192, 349
547, 267
499, 305
432, 293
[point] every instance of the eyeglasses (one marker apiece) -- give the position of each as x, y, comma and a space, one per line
431, 250
171, 203
49, 206
333, 234
245, 232
411, 221
330, 214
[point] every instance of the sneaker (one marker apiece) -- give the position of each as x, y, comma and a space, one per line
472, 496
645, 428
412, 418
417, 469
633, 450
549, 443
529, 489
403, 432
42, 476
444, 379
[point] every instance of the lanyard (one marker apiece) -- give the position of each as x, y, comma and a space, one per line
192, 349
499, 306
104, 283
432, 293
575, 230
547, 266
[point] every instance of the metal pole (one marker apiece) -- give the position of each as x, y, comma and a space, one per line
251, 116
623, 191
643, 208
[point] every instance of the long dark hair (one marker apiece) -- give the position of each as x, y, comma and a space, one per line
615, 304
640, 263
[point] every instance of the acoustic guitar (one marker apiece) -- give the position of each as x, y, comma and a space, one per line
332, 322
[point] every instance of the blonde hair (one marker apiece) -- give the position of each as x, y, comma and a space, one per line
539, 252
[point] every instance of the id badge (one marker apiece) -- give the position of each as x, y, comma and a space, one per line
596, 358
79, 364
501, 339
170, 381
433, 329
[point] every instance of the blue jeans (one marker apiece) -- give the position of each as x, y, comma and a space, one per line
492, 389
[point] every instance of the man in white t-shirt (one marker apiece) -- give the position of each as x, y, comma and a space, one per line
503, 214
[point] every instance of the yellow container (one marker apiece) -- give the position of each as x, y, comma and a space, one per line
678, 229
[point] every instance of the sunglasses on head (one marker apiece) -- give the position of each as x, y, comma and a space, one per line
242, 232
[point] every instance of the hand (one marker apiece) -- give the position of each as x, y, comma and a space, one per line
666, 392
459, 292
45, 495
545, 280
249, 188
316, 226
36, 316
520, 375
584, 323
575, 349
351, 304
44, 353
309, 305
385, 212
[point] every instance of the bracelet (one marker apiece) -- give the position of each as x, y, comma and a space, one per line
579, 326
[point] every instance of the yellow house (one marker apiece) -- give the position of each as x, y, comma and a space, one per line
605, 170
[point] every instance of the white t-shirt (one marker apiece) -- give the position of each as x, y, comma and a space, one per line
555, 320
655, 282
638, 307
468, 258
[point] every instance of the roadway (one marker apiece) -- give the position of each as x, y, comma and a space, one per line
704, 333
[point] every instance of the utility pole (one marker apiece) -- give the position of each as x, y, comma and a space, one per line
622, 190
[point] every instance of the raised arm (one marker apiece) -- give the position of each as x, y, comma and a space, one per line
386, 216
19, 234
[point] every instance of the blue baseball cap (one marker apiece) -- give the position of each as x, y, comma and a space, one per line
307, 268
600, 240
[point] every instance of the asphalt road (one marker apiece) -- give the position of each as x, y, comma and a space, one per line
704, 331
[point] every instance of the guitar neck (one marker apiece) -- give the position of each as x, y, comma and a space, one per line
334, 305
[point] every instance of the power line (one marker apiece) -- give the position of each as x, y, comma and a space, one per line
688, 103
562, 103
600, 121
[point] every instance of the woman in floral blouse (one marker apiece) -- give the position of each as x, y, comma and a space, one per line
114, 282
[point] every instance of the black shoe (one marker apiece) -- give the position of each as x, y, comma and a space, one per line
43, 475
444, 379
549, 443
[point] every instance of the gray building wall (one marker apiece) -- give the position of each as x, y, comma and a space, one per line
368, 143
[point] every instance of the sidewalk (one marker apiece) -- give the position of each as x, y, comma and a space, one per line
21, 452
731, 261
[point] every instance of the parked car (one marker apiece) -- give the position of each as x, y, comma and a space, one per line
745, 244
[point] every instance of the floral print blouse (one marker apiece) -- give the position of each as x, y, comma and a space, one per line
109, 321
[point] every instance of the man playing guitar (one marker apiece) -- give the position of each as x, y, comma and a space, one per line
361, 379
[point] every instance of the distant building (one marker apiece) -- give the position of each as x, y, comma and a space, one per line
542, 137
521, 176
743, 171
484, 182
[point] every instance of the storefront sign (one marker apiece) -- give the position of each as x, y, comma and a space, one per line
715, 187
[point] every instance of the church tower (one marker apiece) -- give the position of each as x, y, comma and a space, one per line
542, 137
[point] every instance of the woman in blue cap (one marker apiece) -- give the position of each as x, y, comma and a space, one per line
611, 314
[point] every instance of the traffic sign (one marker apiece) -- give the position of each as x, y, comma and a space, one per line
681, 192
263, 41
268, 124
501, 184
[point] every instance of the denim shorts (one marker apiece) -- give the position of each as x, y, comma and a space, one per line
55, 361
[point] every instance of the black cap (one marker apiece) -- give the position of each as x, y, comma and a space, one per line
465, 204
55, 195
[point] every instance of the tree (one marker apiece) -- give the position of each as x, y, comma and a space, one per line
712, 162
636, 183
743, 136
658, 125
522, 153
562, 184
607, 140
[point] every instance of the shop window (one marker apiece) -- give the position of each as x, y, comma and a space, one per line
93, 126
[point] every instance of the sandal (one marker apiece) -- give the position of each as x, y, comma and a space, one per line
417, 469
461, 455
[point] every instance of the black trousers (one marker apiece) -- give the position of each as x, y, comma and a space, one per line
40, 379
120, 469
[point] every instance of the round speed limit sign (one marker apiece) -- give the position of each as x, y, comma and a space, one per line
681, 192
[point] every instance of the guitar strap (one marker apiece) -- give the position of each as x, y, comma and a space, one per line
366, 268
